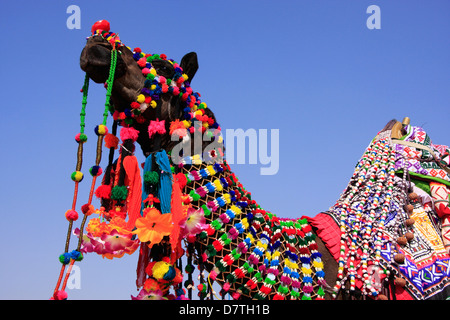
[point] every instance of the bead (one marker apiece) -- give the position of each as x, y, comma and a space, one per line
400, 282
409, 236
399, 258
402, 241
413, 196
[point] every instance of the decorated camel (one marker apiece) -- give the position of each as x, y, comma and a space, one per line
187, 213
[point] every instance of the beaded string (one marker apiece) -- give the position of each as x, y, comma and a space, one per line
77, 176
373, 175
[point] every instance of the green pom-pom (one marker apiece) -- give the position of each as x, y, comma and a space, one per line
195, 196
119, 193
82, 137
151, 178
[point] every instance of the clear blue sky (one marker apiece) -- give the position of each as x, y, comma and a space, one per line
311, 69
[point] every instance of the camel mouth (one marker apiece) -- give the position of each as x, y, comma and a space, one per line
95, 61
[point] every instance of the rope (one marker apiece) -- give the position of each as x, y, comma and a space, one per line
85, 90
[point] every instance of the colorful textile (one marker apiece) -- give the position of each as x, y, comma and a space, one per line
419, 161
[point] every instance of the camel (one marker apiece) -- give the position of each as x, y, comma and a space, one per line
192, 206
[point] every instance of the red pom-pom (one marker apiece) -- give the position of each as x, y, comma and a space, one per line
138, 50
103, 192
71, 215
142, 62
111, 141
102, 25
163, 56
87, 209
135, 105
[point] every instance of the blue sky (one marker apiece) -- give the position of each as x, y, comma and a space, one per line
311, 69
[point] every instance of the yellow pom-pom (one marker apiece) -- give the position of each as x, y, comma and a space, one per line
185, 76
153, 87
77, 176
141, 98
186, 123
153, 71
153, 104
211, 170
101, 129
160, 269
218, 185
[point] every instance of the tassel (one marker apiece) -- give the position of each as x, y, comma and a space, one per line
165, 190
177, 215
134, 182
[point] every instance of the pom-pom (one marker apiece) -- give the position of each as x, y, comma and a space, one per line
135, 105
102, 25
95, 171
60, 295
129, 133
87, 209
76, 255
111, 141
142, 62
101, 130
71, 215
65, 258
156, 127
77, 176
140, 98
151, 178
103, 192
119, 193
81, 137
160, 269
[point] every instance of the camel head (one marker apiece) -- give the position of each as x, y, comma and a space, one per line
151, 93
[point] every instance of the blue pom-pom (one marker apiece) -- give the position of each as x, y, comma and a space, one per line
76, 255
170, 274
136, 56
65, 258
95, 170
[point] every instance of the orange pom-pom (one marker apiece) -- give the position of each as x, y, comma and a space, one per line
111, 141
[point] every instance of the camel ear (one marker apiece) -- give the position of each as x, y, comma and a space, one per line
189, 64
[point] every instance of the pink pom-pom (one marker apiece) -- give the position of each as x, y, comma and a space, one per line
226, 286
71, 215
61, 295
162, 79
145, 71
156, 127
176, 91
129, 133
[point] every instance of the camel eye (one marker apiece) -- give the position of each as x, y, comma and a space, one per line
163, 68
